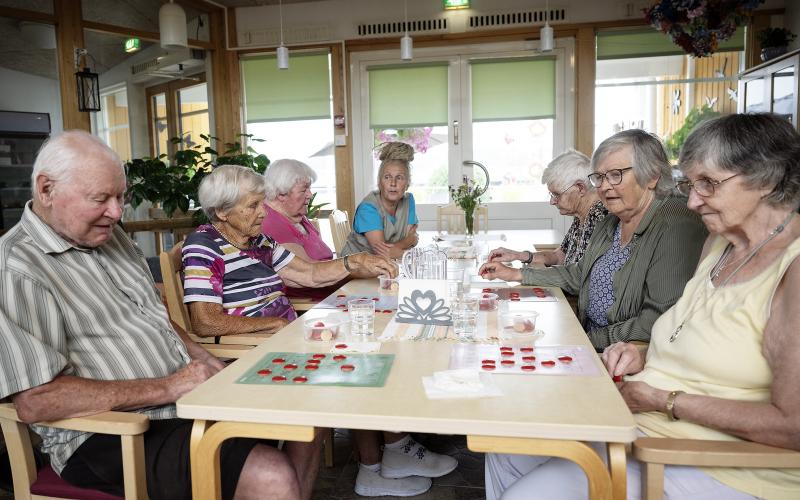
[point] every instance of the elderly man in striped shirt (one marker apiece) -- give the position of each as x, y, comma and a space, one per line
83, 330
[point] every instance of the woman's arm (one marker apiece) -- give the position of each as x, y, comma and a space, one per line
324, 273
209, 320
381, 247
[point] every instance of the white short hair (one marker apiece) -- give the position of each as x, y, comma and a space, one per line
63, 154
282, 175
222, 189
566, 169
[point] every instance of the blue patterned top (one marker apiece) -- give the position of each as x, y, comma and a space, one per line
601, 282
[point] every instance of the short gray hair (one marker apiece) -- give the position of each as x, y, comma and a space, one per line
282, 175
763, 148
566, 169
222, 189
650, 159
68, 151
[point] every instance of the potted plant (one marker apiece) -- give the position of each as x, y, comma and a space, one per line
774, 42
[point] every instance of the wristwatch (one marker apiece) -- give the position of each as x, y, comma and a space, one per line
530, 258
669, 408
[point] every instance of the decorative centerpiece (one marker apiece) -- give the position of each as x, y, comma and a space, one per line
774, 42
467, 196
697, 26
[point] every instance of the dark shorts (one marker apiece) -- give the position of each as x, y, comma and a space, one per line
97, 463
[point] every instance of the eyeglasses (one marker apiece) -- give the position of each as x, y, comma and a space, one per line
702, 186
614, 177
554, 197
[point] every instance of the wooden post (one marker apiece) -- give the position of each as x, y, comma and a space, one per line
226, 87
69, 36
584, 90
345, 197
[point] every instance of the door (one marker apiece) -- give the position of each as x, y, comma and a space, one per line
502, 105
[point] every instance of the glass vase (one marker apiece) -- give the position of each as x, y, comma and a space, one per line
469, 224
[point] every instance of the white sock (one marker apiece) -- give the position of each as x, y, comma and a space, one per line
373, 467
399, 444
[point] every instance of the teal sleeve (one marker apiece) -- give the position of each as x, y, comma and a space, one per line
412, 210
367, 219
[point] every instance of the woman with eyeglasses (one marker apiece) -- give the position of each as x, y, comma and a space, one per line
573, 195
386, 219
639, 257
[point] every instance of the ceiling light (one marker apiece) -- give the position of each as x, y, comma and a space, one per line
282, 52
172, 26
406, 43
546, 41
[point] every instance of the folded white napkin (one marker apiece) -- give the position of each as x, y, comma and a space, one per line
356, 347
462, 383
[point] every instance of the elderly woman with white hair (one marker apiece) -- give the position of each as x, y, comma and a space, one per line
566, 178
234, 275
640, 256
288, 191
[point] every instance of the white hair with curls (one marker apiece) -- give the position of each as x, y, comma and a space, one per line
566, 169
282, 175
222, 189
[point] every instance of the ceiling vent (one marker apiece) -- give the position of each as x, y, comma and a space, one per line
525, 18
297, 34
423, 26
174, 64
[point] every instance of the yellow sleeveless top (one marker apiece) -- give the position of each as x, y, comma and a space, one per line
719, 353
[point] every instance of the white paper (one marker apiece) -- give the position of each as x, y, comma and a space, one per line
460, 384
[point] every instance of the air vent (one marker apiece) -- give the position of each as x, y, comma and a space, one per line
298, 34
419, 26
532, 17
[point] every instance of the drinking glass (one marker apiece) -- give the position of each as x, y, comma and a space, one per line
362, 316
464, 312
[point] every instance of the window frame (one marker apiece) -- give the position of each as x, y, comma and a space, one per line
170, 90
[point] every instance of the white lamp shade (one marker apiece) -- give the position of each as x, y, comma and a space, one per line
546, 42
283, 57
172, 26
406, 48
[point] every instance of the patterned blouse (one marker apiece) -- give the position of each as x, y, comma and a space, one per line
601, 282
244, 282
577, 238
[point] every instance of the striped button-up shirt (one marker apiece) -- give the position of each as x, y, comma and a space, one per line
90, 313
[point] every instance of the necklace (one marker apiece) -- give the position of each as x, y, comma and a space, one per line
720, 265
230, 240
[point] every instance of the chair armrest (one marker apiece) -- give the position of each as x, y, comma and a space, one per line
116, 423
703, 453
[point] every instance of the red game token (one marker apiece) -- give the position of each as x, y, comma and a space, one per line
278, 360
348, 368
375, 299
311, 367
388, 311
278, 378
530, 359
487, 362
487, 290
344, 310
300, 379
506, 353
339, 357
549, 363
319, 324
513, 294
342, 306
526, 349
313, 361
506, 348
318, 356
341, 295
264, 372
488, 367
289, 366
341, 346
617, 378
565, 359
508, 362
527, 368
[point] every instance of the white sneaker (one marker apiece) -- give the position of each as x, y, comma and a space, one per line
372, 484
413, 459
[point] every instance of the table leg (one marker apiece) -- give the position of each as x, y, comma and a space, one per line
205, 453
617, 463
600, 487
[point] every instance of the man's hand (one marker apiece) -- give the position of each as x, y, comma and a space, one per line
498, 271
204, 356
189, 377
365, 265
505, 255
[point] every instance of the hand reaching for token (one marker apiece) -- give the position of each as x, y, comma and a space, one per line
495, 270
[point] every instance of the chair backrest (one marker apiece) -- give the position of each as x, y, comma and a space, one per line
171, 264
450, 219
340, 229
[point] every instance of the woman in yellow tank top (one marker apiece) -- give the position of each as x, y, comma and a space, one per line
724, 362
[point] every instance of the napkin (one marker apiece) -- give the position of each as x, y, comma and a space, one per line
462, 383
356, 347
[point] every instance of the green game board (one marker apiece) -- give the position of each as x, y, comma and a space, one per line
368, 370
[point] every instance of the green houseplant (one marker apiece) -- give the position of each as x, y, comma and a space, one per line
693, 119
774, 42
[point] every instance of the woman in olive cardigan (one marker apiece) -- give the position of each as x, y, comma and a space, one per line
639, 257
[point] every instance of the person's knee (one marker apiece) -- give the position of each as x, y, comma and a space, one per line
268, 473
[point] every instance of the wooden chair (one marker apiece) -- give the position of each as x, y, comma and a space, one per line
655, 453
30, 483
340, 229
450, 219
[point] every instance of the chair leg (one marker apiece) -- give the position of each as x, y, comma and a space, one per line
328, 448
653, 481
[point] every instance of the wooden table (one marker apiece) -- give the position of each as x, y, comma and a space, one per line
538, 415
515, 239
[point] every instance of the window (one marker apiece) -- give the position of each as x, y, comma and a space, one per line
645, 81
160, 127
178, 109
291, 110
111, 122
193, 114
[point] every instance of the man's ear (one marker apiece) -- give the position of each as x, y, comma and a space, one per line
45, 188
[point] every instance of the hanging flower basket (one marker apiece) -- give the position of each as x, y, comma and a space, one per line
698, 26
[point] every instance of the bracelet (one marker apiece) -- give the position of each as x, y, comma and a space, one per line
530, 258
669, 408
347, 264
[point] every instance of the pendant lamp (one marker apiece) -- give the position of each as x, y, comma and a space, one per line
406, 43
546, 41
282, 52
172, 26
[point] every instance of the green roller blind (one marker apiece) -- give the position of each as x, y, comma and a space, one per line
301, 92
407, 96
647, 43
513, 89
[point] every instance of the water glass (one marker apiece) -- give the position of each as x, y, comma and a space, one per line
455, 289
362, 316
464, 312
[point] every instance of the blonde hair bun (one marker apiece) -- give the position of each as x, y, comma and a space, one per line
396, 151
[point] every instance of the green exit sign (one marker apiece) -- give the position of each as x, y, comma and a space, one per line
132, 44
455, 4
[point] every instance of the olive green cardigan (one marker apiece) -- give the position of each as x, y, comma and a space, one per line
666, 247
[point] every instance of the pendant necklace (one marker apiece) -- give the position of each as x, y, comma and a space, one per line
720, 265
